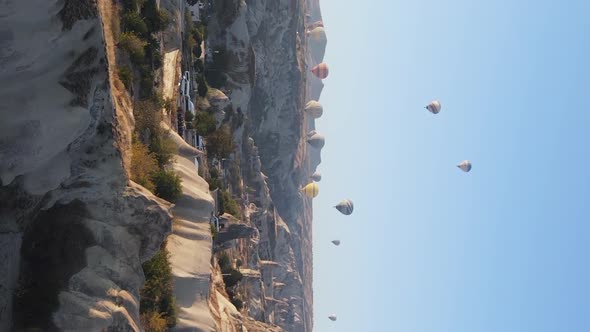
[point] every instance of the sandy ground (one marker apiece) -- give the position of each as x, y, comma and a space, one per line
170, 73
190, 244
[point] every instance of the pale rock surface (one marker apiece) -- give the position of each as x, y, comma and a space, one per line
78, 228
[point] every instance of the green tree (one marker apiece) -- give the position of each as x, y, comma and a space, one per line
157, 294
229, 205
143, 165
219, 143
126, 76
132, 22
168, 185
134, 46
205, 123
233, 278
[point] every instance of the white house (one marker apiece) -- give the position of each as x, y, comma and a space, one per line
195, 11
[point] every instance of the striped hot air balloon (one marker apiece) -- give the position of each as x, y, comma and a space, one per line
321, 71
433, 107
345, 207
311, 190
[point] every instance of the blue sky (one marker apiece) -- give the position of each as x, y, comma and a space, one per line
430, 248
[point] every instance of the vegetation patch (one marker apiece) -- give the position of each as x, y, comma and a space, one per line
227, 204
126, 76
74, 10
158, 306
168, 185
205, 123
219, 143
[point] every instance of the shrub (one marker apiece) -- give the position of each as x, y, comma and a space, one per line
233, 278
132, 22
134, 46
224, 263
205, 123
188, 117
202, 87
214, 183
147, 117
219, 143
132, 5
153, 321
168, 185
157, 292
126, 76
143, 165
146, 85
163, 147
229, 205
213, 232
156, 19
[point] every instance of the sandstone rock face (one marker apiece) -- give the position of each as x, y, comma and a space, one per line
260, 43
75, 229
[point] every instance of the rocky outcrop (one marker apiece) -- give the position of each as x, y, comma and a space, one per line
232, 230
75, 228
260, 44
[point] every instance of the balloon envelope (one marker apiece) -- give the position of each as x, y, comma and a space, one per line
318, 35
465, 166
317, 141
336, 242
314, 109
345, 207
317, 176
434, 107
321, 70
311, 190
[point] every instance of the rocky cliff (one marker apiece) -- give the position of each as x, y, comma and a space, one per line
73, 229
260, 46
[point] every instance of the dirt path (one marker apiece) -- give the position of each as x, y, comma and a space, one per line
121, 100
171, 72
190, 244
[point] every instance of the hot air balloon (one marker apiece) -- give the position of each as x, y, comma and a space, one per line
314, 109
465, 166
336, 242
311, 190
345, 207
433, 107
318, 38
316, 140
317, 177
321, 71
333, 317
